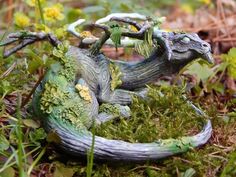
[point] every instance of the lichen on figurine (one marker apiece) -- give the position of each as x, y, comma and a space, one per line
82, 79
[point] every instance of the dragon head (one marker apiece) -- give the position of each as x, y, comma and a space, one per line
186, 47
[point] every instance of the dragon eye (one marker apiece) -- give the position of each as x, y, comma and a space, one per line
185, 40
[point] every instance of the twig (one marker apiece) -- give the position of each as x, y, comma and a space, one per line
127, 20
224, 21
26, 100
121, 15
8, 71
25, 39
139, 34
103, 27
24, 43
217, 156
98, 45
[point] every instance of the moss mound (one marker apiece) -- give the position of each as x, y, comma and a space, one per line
165, 114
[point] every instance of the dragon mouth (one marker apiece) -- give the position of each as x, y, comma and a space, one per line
208, 57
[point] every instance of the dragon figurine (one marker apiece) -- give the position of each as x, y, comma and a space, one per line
68, 98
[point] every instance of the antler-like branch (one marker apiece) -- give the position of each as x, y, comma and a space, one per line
121, 15
130, 37
127, 20
26, 38
100, 24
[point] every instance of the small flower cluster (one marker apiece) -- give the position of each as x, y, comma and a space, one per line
205, 1
51, 14
84, 92
21, 20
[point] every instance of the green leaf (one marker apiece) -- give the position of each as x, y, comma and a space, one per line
230, 59
31, 123
188, 173
219, 87
5, 87
53, 137
8, 172
201, 71
37, 135
4, 143
36, 61
151, 173
115, 33
62, 171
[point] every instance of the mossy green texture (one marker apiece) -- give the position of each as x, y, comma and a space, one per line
230, 168
109, 109
165, 114
59, 97
145, 47
51, 97
68, 62
115, 76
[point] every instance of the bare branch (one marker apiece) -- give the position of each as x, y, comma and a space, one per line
72, 26
127, 20
121, 15
140, 34
26, 38
8, 71
103, 27
12, 50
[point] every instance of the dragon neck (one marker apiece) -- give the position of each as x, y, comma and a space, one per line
136, 75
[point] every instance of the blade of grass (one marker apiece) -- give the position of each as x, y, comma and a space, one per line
41, 12
19, 133
91, 155
36, 161
7, 163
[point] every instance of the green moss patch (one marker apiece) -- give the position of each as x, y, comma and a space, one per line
165, 114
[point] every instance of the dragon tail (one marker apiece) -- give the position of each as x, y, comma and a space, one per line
78, 143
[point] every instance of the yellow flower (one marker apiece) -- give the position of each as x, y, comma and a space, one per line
205, 1
21, 20
53, 13
84, 92
33, 3
133, 28
86, 34
187, 8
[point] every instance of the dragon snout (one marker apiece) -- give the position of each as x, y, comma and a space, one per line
206, 46
208, 57
207, 53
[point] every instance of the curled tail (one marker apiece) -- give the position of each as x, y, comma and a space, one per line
78, 143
